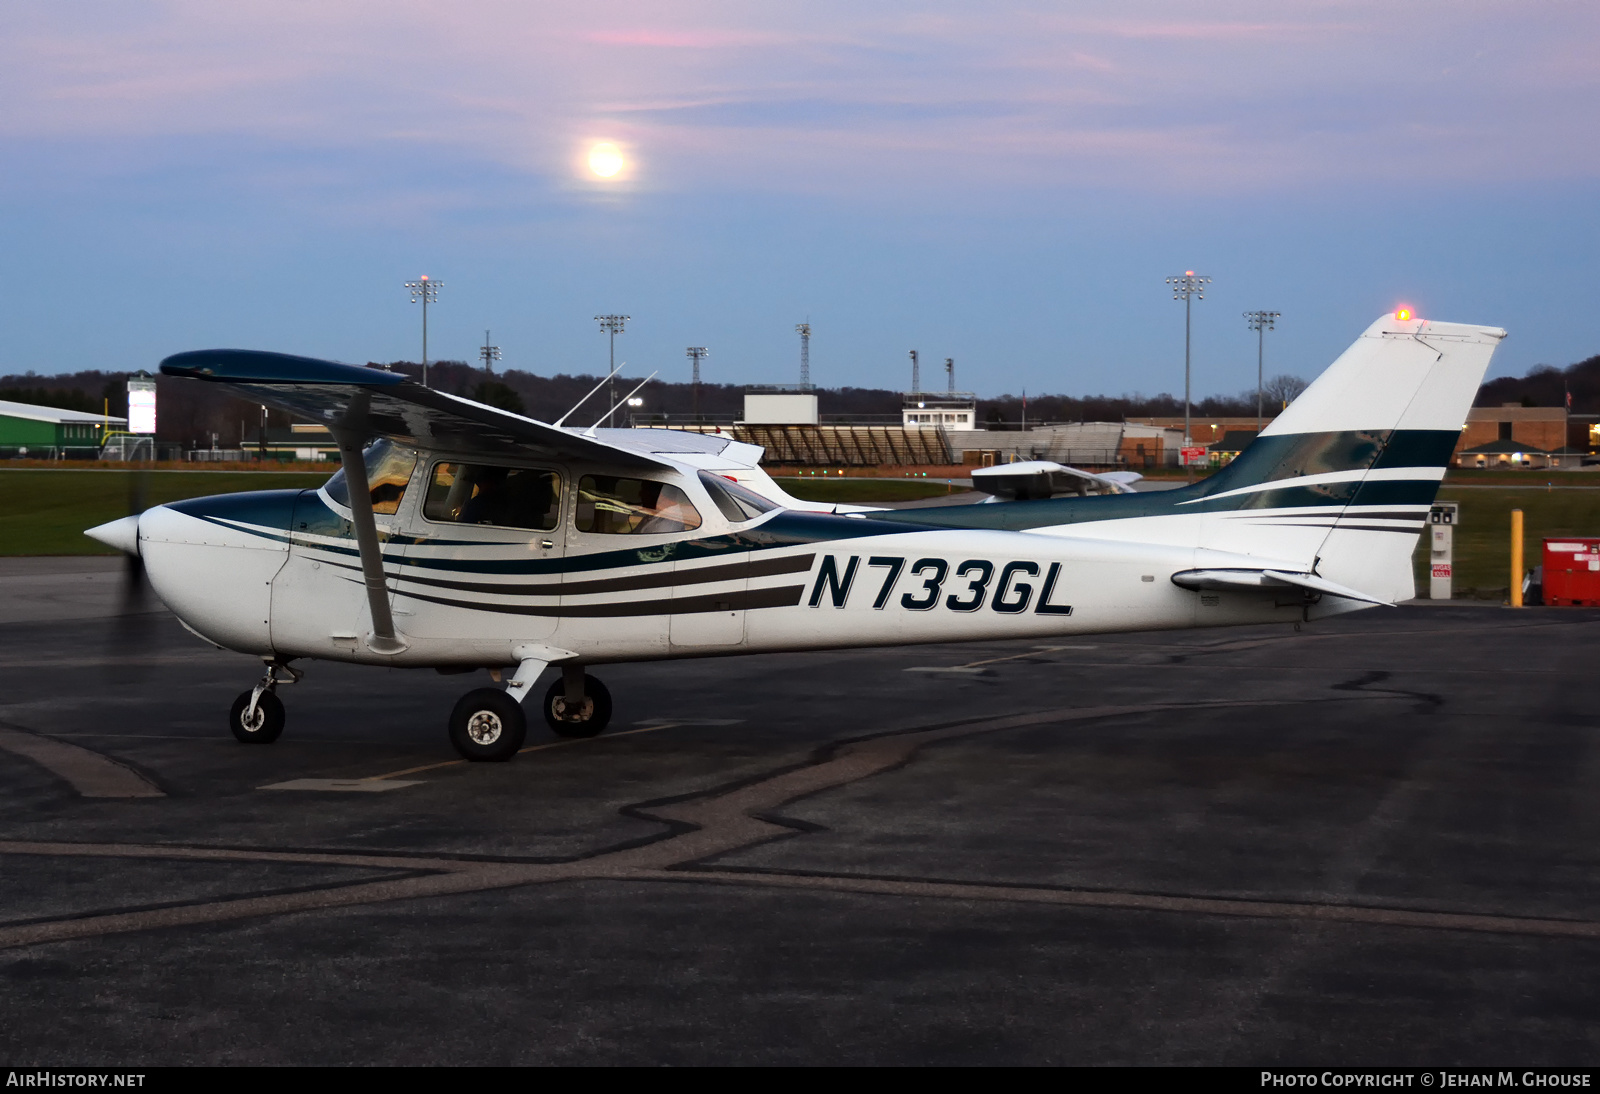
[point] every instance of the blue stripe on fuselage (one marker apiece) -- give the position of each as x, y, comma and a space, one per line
1268, 459
303, 513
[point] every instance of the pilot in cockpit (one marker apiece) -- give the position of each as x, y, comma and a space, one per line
487, 504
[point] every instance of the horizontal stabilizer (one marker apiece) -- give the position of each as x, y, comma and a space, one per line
1234, 580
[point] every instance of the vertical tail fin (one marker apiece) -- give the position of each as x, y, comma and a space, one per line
1343, 478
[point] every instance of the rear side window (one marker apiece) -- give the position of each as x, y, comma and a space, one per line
622, 507
506, 497
735, 502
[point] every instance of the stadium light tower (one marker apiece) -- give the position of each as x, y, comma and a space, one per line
426, 291
1187, 288
804, 331
612, 325
1260, 322
488, 355
916, 373
696, 354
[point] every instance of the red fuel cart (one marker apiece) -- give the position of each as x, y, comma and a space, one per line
1572, 571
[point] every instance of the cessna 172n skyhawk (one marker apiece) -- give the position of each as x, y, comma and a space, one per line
481, 539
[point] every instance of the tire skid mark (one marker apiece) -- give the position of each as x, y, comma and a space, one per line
91, 774
1158, 902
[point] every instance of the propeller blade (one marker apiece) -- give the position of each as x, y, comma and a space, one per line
132, 629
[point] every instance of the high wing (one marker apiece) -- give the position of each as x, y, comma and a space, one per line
386, 404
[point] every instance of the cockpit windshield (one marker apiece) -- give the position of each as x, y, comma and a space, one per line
389, 468
737, 503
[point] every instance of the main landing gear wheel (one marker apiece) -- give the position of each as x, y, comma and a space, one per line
487, 725
588, 718
264, 727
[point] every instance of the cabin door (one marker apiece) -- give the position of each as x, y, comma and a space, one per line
483, 569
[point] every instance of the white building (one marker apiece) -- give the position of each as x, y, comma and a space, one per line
948, 409
779, 406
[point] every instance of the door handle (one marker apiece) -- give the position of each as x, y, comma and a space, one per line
546, 543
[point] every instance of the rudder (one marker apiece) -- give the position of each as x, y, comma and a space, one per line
1342, 480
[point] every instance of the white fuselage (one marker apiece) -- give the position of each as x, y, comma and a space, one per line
280, 577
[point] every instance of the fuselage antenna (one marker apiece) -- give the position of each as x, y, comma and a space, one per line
622, 402
585, 399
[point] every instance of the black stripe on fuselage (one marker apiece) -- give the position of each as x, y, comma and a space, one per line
1331, 525
1416, 516
786, 596
661, 578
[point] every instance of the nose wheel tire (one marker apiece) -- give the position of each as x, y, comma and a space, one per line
590, 717
487, 725
264, 727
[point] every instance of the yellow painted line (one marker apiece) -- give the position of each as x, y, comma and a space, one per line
1015, 656
601, 737
412, 770
530, 748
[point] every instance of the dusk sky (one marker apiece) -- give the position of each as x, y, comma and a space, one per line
1007, 184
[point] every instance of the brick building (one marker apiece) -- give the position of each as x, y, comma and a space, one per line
1535, 427
1205, 431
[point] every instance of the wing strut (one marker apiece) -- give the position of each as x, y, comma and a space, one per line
384, 639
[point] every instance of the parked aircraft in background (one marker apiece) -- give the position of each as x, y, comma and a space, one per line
1035, 479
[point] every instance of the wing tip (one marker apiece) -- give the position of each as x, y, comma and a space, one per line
250, 366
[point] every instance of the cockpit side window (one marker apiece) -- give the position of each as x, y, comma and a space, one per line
737, 503
507, 497
389, 468
614, 506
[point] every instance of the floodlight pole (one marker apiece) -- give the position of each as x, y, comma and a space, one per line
1260, 322
488, 355
1187, 288
612, 325
696, 354
426, 291
804, 331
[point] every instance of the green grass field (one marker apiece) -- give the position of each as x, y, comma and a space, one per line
1472, 476
1483, 538
851, 491
45, 512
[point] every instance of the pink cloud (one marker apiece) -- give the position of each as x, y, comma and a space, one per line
764, 95
681, 39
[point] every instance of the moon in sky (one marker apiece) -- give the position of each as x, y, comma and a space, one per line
605, 159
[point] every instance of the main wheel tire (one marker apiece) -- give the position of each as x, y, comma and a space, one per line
267, 724
488, 726
588, 722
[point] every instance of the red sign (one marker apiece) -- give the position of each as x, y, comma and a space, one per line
1441, 569
1192, 455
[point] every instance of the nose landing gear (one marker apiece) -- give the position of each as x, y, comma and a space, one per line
257, 716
